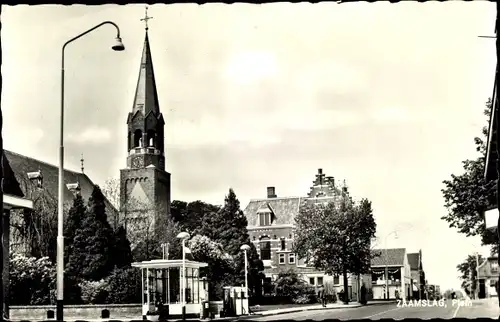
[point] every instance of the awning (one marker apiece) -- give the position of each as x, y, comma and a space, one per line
14, 202
168, 263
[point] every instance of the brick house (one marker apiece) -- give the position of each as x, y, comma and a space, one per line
488, 278
399, 274
271, 226
417, 274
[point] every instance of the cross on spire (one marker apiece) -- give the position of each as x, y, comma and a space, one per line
81, 161
146, 18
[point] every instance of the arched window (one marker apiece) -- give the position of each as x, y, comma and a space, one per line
265, 248
129, 140
138, 139
151, 138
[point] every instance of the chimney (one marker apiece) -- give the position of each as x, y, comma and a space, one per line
320, 171
271, 192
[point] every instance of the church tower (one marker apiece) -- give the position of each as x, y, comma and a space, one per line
144, 183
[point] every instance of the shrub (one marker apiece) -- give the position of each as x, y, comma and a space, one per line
31, 280
94, 292
290, 285
124, 286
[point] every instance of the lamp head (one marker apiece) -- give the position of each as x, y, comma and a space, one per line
245, 247
118, 46
183, 235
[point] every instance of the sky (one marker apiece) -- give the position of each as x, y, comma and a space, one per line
386, 96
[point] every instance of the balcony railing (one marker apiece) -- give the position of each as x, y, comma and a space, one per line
148, 150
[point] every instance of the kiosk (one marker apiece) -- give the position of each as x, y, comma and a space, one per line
162, 284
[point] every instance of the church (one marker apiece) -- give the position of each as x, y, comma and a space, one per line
144, 183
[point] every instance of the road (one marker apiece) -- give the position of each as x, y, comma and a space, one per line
486, 308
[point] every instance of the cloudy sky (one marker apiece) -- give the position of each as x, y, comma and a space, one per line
386, 96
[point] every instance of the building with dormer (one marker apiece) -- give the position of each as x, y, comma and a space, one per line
271, 226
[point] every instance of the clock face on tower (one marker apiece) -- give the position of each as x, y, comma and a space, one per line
137, 162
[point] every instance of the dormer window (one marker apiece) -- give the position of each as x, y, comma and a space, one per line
36, 178
265, 218
73, 187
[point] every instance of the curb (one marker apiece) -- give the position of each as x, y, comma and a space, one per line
258, 315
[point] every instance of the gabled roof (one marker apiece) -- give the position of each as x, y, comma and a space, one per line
284, 210
18, 166
389, 257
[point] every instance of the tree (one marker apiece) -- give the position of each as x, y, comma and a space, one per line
228, 226
468, 194
93, 242
336, 236
122, 253
76, 215
220, 268
34, 231
468, 272
291, 287
32, 280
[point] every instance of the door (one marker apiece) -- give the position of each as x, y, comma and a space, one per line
482, 290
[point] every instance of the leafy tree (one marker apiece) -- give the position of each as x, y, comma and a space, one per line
220, 270
31, 280
291, 287
335, 237
74, 220
122, 253
164, 231
468, 272
467, 194
93, 243
228, 226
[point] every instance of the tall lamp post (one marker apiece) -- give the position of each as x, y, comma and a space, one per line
245, 248
386, 264
118, 46
183, 236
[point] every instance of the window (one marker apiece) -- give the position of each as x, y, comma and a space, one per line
282, 258
265, 219
320, 281
494, 266
311, 280
336, 279
291, 258
283, 244
265, 248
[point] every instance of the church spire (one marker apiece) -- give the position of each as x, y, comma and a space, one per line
146, 96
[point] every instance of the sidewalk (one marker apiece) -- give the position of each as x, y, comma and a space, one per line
311, 307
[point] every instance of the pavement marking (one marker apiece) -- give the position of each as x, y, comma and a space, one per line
456, 311
368, 317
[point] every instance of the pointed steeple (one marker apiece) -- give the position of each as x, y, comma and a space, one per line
146, 96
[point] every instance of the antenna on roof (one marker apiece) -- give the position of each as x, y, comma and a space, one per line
81, 161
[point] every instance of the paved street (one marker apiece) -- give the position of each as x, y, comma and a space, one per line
487, 308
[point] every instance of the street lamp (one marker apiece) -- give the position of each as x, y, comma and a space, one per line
184, 236
386, 264
118, 46
245, 248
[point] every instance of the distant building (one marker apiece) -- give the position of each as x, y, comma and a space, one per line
488, 278
271, 226
399, 274
417, 275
